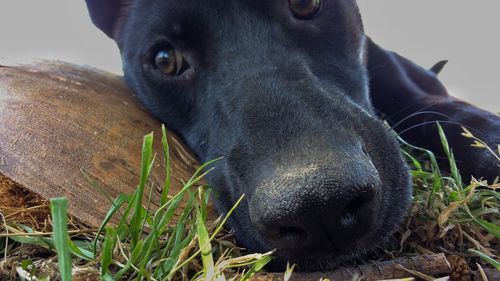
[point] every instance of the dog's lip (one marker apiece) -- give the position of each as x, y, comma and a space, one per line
318, 253
305, 250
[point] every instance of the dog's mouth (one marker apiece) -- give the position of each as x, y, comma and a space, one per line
297, 244
321, 258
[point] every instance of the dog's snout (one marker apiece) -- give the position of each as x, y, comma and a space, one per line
328, 208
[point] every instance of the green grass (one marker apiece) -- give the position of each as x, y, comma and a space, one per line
177, 242
58, 208
448, 215
165, 243
161, 244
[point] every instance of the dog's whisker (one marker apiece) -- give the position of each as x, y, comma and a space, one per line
407, 107
417, 114
429, 122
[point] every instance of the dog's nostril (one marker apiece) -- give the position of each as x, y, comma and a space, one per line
292, 232
359, 212
349, 215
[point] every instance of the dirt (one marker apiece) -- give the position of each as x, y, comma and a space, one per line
22, 206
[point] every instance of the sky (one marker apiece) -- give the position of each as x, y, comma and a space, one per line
464, 32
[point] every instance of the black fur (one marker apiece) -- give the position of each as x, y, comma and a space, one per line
288, 103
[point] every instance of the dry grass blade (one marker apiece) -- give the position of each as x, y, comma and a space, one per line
417, 273
445, 215
481, 271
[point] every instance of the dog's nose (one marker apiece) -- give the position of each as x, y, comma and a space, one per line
336, 223
320, 210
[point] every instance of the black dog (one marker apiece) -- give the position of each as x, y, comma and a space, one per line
291, 92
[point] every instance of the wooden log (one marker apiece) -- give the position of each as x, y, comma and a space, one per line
59, 119
431, 265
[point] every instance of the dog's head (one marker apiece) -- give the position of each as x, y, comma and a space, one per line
279, 88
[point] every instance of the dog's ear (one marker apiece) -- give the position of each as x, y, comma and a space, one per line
105, 14
438, 67
394, 78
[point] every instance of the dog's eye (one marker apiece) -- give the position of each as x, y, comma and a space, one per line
305, 9
170, 62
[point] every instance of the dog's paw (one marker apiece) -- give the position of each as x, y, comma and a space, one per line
473, 136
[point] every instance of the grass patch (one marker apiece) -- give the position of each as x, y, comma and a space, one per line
162, 244
177, 242
448, 216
